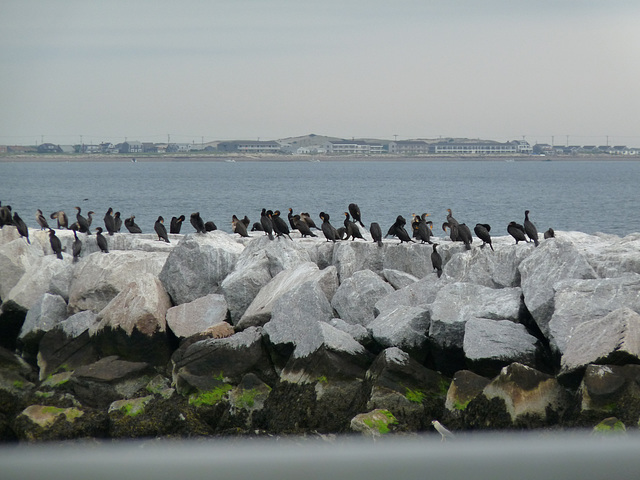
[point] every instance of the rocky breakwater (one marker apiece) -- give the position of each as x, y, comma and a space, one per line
218, 334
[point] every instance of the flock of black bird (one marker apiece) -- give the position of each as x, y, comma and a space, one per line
271, 222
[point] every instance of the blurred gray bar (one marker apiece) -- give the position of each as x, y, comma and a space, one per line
510, 456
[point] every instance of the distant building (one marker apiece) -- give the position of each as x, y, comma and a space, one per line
481, 148
49, 148
131, 147
409, 147
244, 146
351, 147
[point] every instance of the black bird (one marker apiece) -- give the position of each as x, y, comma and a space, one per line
330, 233
453, 226
279, 225
257, 227
292, 223
210, 226
465, 235
109, 222
246, 221
267, 224
530, 229
306, 218
549, 233
83, 223
161, 230
423, 230
41, 220
354, 210
376, 233
436, 260
21, 226
398, 230
5, 215
62, 219
117, 221
56, 244
90, 217
77, 247
482, 232
302, 227
239, 227
102, 241
197, 222
352, 229
414, 225
176, 224
131, 225
517, 231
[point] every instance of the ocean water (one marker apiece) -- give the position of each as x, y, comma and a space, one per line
589, 196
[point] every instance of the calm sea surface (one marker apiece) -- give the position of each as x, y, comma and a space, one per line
585, 196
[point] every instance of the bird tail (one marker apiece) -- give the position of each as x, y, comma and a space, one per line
439, 272
59, 255
270, 236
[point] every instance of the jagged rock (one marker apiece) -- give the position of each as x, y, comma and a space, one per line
16, 382
549, 263
356, 296
358, 332
414, 259
578, 300
398, 279
109, 379
401, 385
456, 303
612, 339
245, 400
68, 345
195, 317
529, 395
418, 294
201, 365
260, 310
490, 345
260, 261
16, 257
465, 386
374, 424
608, 426
133, 324
45, 422
404, 327
350, 257
99, 277
609, 255
45, 314
198, 264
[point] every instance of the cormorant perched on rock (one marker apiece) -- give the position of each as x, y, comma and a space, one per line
414, 225
41, 220
465, 235
102, 241
61, 218
5, 215
257, 227
330, 233
423, 229
352, 229
131, 225
354, 210
549, 233
109, 222
436, 260
197, 222
530, 229
376, 233
77, 247
453, 226
117, 221
56, 244
90, 217
161, 230
292, 223
302, 227
398, 230
239, 227
83, 223
246, 221
176, 224
267, 224
482, 232
306, 218
21, 226
279, 225
517, 231
210, 226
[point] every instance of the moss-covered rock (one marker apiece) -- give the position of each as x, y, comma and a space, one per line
375, 423
46, 422
610, 425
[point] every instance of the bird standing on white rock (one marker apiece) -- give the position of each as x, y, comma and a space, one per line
442, 430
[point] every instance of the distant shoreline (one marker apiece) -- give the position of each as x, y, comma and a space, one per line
14, 158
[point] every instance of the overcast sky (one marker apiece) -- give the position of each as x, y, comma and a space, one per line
239, 69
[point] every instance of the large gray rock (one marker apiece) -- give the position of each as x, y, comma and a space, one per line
552, 261
358, 332
259, 312
356, 296
198, 264
405, 327
16, 257
352, 256
609, 255
414, 259
195, 317
398, 279
45, 314
418, 294
100, 277
577, 301
457, 303
490, 345
614, 338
